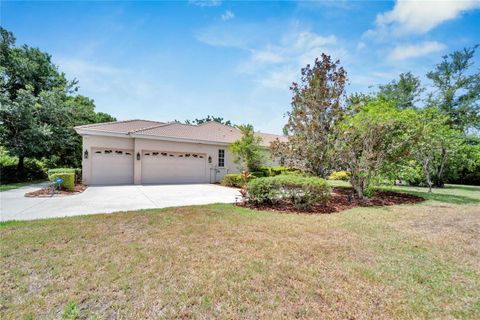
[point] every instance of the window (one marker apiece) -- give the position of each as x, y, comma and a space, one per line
221, 158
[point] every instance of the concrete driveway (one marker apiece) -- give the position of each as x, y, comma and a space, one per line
106, 199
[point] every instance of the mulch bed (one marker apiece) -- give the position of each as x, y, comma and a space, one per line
47, 192
340, 200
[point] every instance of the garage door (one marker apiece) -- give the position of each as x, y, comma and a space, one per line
112, 166
174, 167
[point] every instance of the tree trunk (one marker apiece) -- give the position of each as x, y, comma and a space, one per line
21, 164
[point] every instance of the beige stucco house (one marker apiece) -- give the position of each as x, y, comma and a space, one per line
151, 152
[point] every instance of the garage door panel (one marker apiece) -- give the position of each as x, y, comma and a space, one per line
164, 167
112, 167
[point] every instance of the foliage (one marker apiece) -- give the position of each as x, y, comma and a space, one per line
339, 175
317, 107
378, 135
76, 171
232, 180
68, 179
33, 170
39, 107
404, 92
436, 145
208, 119
457, 90
247, 151
302, 192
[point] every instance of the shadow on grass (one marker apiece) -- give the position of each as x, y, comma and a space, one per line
448, 198
441, 197
463, 187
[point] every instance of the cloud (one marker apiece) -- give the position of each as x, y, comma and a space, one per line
227, 15
277, 65
419, 17
205, 3
403, 52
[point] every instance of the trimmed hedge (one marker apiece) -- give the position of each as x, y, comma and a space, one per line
232, 180
68, 180
339, 175
301, 191
76, 171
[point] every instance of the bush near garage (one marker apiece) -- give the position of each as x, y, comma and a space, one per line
277, 170
76, 171
232, 180
301, 191
68, 180
339, 175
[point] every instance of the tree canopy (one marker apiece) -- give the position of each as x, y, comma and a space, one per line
40, 107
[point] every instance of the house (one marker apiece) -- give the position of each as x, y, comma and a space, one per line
151, 152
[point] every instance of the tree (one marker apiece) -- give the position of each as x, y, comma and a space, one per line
437, 145
457, 89
39, 107
317, 106
404, 92
377, 135
247, 151
21, 131
208, 119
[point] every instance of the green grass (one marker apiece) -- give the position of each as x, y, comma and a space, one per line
11, 186
220, 261
454, 194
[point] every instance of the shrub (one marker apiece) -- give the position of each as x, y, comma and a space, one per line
232, 180
33, 170
339, 175
302, 192
76, 171
257, 174
68, 180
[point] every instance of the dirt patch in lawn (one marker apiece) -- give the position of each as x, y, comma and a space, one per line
47, 192
342, 199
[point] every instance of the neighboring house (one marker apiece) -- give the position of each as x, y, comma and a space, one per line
150, 152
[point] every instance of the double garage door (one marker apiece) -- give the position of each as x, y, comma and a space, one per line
174, 167
115, 167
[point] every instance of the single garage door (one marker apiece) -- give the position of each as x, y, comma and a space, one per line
174, 167
112, 166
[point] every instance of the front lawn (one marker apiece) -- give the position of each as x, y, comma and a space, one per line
221, 261
11, 186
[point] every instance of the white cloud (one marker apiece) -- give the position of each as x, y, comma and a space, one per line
205, 3
227, 15
419, 17
403, 52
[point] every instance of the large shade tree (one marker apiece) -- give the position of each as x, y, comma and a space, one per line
39, 106
404, 93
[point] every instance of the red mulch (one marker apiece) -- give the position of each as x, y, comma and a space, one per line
339, 201
47, 192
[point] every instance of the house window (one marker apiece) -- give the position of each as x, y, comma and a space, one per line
221, 158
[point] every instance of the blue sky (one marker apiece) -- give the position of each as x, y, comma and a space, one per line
184, 60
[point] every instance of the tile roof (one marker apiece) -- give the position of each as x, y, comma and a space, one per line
209, 131
124, 127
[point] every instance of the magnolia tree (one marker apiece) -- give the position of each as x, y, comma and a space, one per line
247, 151
377, 135
317, 106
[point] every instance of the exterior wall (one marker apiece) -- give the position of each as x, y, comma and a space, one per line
92, 142
214, 173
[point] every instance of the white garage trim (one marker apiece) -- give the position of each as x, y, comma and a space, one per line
174, 167
111, 166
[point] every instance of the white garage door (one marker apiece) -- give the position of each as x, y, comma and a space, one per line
174, 167
112, 166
